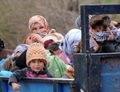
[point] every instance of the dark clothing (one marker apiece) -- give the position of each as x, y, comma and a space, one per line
108, 46
112, 46
1, 44
21, 60
27, 72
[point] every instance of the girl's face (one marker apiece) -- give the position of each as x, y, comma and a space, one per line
36, 65
31, 38
57, 52
39, 28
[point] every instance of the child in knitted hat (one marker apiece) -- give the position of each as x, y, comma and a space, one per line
36, 62
29, 39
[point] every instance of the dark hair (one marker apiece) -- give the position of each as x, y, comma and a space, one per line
117, 25
106, 21
1, 44
100, 20
53, 47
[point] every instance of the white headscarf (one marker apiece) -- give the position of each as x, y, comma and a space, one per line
69, 43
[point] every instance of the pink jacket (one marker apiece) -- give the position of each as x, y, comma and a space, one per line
61, 55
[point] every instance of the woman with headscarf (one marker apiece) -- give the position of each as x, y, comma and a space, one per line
38, 24
68, 46
38, 28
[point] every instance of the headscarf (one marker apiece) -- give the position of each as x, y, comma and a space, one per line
38, 19
78, 21
69, 44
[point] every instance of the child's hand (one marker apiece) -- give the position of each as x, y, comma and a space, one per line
90, 33
96, 45
111, 36
15, 86
36, 38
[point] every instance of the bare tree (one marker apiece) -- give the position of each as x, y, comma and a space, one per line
73, 5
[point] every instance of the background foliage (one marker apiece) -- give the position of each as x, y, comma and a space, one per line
14, 16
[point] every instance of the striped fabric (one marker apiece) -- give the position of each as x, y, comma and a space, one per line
102, 36
116, 34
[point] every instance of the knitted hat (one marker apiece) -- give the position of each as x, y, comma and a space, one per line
36, 51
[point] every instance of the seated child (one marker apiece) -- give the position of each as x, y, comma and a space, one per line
9, 64
54, 48
31, 38
52, 36
56, 36
105, 37
36, 62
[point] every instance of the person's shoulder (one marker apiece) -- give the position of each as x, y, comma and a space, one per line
20, 70
26, 69
22, 46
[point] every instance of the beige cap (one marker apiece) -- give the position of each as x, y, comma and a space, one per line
36, 51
